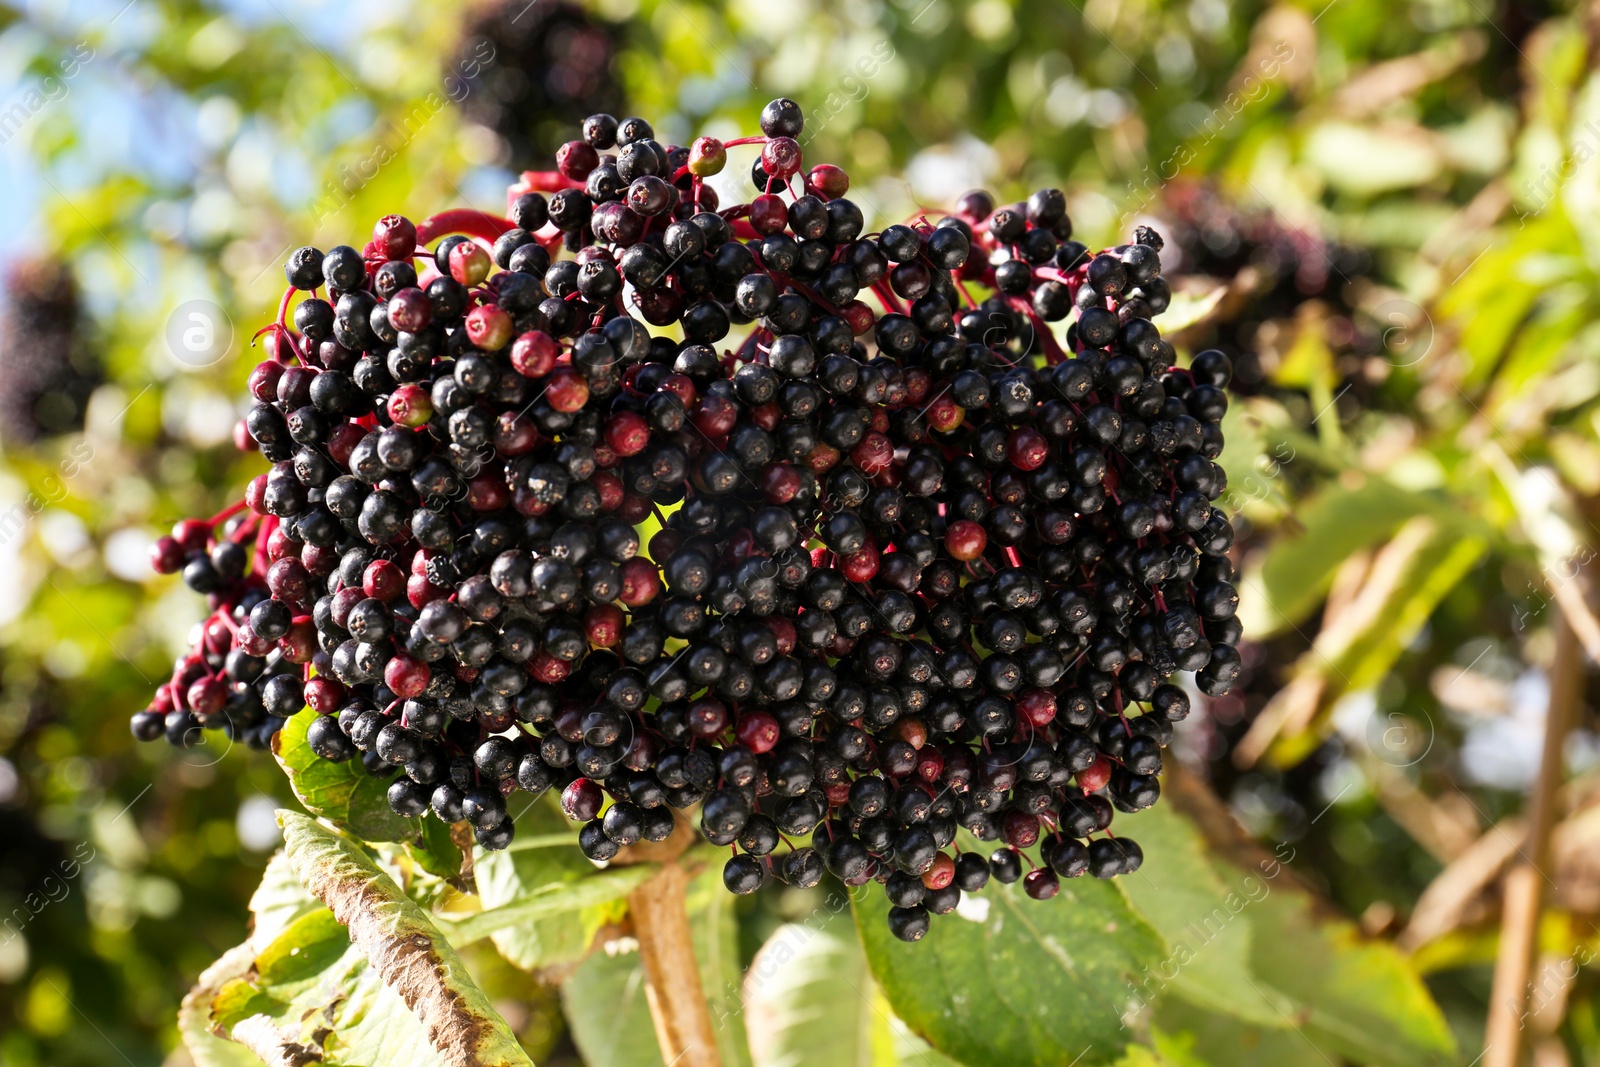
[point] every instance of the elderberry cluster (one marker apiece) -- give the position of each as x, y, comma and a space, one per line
916, 564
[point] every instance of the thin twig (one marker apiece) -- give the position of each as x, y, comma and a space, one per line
660, 914
1524, 882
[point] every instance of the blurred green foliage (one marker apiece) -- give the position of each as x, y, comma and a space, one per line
1399, 199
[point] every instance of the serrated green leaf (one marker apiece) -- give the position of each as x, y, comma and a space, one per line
1031, 984
342, 793
402, 946
1188, 1036
1363, 998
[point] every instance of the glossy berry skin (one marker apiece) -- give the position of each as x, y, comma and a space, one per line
844, 553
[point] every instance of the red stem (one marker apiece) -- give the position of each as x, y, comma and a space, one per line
462, 220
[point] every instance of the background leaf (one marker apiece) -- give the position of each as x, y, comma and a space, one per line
812, 999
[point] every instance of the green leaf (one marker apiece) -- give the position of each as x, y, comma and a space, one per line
341, 1014
278, 900
402, 944
194, 1016
525, 874
551, 901
1304, 986
435, 851
1335, 525
1188, 308
1202, 917
1031, 983
1193, 1037
604, 1002
1356, 655
812, 998
1363, 998
342, 793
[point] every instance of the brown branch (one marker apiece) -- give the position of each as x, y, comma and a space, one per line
660, 914
1524, 882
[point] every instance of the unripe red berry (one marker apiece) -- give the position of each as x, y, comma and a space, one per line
567, 391
489, 327
1037, 707
627, 433
192, 534
534, 354
395, 236
873, 454
410, 405
582, 799
757, 731
1027, 449
941, 874
1020, 829
324, 694
640, 582
965, 540
945, 414
410, 310
207, 696
861, 565
768, 214
1094, 777
469, 264
547, 668
1041, 884
384, 580
406, 677
707, 156
604, 624
780, 157
829, 181
167, 556
576, 159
